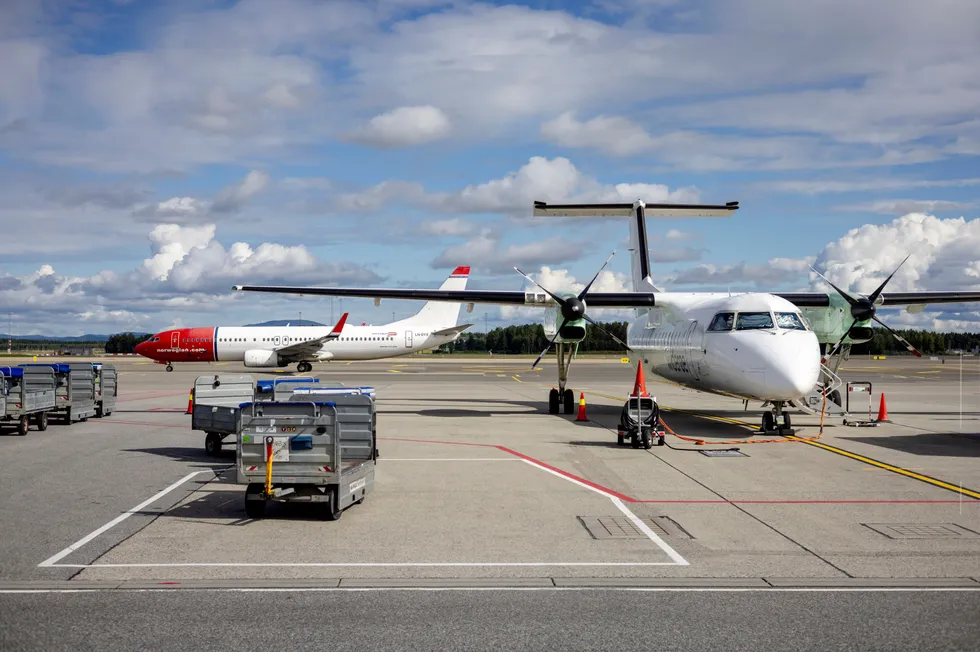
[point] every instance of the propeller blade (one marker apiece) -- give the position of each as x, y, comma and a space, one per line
876, 293
561, 302
841, 292
621, 342
589, 286
899, 337
841, 340
550, 344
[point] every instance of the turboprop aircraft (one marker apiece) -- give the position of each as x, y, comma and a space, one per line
756, 346
278, 346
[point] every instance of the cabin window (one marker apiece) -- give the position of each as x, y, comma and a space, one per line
748, 321
723, 321
790, 321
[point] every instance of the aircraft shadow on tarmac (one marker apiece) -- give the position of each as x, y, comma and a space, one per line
188, 454
946, 444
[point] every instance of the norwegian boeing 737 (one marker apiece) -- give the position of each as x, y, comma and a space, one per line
278, 346
755, 346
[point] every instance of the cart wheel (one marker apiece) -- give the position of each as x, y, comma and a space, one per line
98, 412
42, 421
68, 416
620, 440
23, 426
212, 444
331, 508
645, 438
254, 508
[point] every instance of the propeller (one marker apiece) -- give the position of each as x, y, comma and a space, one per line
572, 309
863, 309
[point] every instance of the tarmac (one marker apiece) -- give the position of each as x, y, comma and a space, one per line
478, 488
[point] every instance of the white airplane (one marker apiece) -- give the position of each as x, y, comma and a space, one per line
755, 346
279, 346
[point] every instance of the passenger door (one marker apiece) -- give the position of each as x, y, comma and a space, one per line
175, 340
408, 339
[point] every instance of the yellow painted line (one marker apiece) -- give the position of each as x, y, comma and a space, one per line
875, 468
517, 379
394, 371
501, 375
894, 469
928, 372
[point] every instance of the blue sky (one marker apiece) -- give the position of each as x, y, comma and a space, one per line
384, 142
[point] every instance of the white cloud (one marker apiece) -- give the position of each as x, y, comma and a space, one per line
189, 210
404, 126
452, 227
945, 255
561, 280
234, 197
819, 187
542, 179
486, 254
906, 206
773, 275
188, 273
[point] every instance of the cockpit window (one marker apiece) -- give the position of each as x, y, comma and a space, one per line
790, 321
723, 321
748, 321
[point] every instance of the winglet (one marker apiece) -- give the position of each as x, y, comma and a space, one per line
340, 326
462, 270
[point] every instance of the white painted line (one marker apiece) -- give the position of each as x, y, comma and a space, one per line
653, 536
661, 589
50, 561
370, 564
673, 554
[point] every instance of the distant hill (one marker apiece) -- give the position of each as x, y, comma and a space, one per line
290, 322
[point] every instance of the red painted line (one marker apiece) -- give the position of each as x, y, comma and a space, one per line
630, 499
181, 410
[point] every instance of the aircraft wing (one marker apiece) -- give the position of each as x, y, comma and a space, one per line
822, 299
500, 297
311, 347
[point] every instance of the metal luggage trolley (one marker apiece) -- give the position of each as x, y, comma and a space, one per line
106, 388
307, 451
27, 395
75, 394
216, 401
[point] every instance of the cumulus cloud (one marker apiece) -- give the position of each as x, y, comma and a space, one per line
541, 178
487, 254
189, 271
561, 280
452, 227
404, 126
773, 275
190, 210
945, 255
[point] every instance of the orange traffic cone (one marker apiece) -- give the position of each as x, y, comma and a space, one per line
581, 408
882, 409
190, 402
640, 386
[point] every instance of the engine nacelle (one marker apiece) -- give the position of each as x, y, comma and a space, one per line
261, 358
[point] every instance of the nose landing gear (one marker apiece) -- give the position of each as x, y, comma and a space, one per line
770, 421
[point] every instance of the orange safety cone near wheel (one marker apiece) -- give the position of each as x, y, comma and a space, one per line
581, 408
882, 409
190, 402
640, 386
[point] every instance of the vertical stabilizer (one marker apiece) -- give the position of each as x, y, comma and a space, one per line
640, 251
439, 314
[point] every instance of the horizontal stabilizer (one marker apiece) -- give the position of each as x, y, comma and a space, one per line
627, 210
452, 330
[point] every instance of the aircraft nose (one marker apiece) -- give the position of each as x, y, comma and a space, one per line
142, 348
795, 366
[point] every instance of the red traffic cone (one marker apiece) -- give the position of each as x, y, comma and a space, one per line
640, 386
581, 408
190, 402
882, 409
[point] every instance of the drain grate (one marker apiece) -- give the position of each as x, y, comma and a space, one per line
922, 530
723, 453
619, 527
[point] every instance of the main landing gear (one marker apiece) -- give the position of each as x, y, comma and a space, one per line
170, 367
562, 396
304, 367
770, 420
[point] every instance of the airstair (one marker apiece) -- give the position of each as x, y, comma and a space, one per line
830, 384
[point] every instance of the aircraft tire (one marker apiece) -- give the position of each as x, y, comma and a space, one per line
553, 402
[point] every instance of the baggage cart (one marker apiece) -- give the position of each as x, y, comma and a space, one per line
217, 399
75, 394
27, 396
307, 451
106, 388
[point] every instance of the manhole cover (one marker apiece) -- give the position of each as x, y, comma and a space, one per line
618, 527
922, 530
723, 453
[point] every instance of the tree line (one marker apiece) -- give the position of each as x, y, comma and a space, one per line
529, 339
124, 342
